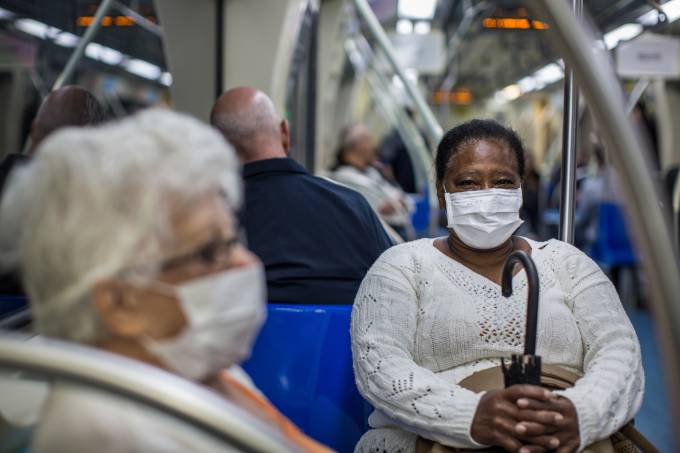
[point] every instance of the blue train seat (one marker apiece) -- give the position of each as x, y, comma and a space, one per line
420, 218
612, 247
303, 363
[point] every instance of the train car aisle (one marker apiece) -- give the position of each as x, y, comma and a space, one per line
654, 419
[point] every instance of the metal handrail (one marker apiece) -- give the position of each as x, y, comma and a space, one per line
630, 156
196, 405
79, 51
569, 139
357, 47
434, 130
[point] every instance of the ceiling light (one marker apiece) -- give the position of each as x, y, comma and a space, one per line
527, 84
672, 10
548, 74
66, 39
404, 27
417, 9
623, 33
6, 14
512, 92
104, 54
166, 79
143, 69
422, 27
32, 27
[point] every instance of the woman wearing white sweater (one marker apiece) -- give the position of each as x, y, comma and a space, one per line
430, 313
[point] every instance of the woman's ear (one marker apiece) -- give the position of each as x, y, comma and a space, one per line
440, 195
118, 307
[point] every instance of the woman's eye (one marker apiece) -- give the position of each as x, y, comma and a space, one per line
466, 182
208, 254
505, 182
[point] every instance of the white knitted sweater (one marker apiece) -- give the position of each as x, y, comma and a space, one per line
422, 322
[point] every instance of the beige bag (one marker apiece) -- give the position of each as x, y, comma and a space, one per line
626, 440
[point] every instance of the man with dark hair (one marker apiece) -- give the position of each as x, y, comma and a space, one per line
67, 106
316, 238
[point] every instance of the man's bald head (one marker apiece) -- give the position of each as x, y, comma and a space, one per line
67, 106
248, 120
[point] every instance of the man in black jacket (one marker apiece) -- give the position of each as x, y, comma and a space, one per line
316, 238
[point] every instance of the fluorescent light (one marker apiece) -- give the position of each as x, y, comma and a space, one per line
499, 97
651, 18
32, 27
511, 92
548, 74
143, 69
422, 27
672, 10
411, 74
6, 14
66, 39
417, 9
404, 27
104, 54
166, 79
527, 84
623, 33
93, 50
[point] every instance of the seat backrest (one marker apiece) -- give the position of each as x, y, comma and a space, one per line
612, 246
302, 361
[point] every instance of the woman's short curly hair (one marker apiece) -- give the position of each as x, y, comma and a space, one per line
474, 131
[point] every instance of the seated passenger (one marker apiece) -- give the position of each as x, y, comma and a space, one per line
355, 168
315, 238
127, 241
430, 313
67, 106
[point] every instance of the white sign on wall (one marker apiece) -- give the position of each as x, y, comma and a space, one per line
650, 55
424, 52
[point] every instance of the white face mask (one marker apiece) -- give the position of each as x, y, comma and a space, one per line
484, 219
224, 314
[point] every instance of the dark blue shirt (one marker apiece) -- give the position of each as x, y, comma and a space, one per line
316, 239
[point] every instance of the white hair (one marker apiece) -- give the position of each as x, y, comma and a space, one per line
93, 202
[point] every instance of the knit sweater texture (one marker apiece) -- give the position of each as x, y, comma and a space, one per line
422, 322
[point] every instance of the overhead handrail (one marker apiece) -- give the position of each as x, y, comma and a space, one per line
364, 62
196, 405
631, 157
142, 21
434, 130
87, 38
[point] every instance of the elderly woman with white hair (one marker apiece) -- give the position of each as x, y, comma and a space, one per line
127, 241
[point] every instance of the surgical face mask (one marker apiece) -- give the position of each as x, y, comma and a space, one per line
224, 314
484, 219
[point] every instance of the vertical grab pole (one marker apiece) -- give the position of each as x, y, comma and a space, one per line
88, 36
569, 139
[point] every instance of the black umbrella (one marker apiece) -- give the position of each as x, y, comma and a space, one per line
524, 368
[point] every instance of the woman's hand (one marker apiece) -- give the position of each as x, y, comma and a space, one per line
565, 428
498, 417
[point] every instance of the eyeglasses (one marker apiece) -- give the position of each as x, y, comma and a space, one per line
210, 254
